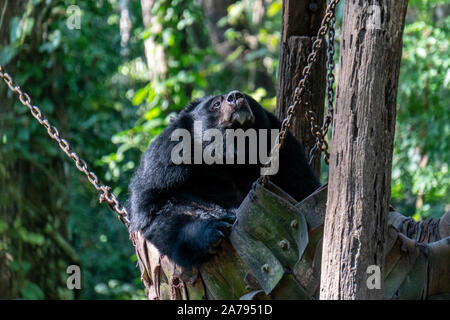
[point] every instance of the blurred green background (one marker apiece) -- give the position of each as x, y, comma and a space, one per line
111, 85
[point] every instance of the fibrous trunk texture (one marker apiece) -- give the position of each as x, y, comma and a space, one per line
362, 147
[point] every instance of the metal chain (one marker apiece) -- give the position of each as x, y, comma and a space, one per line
321, 144
301, 91
106, 194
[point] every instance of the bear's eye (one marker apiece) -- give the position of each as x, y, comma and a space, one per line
215, 105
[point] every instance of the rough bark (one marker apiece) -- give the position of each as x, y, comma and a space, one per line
300, 25
362, 147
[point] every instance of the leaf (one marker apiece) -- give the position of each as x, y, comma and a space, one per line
3, 225
168, 38
15, 30
32, 292
7, 54
274, 8
140, 95
23, 134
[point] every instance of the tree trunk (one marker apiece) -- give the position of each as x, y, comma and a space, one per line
154, 53
125, 27
362, 147
7, 167
300, 26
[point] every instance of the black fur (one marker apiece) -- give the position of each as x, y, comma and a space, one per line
185, 210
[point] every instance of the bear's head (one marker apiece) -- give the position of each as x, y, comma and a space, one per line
233, 110
225, 129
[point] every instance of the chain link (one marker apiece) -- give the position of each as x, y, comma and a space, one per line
106, 196
301, 93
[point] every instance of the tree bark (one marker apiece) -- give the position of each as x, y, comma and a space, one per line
301, 21
362, 148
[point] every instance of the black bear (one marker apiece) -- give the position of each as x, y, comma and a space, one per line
186, 208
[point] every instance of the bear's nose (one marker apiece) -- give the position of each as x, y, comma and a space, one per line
234, 96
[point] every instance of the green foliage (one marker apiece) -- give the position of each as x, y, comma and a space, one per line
109, 108
420, 177
194, 69
74, 78
173, 89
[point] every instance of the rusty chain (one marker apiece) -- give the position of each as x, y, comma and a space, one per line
106, 196
321, 144
301, 92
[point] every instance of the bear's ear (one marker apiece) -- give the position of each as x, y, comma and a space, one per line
191, 106
184, 119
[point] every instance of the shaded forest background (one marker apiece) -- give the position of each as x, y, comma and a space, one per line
112, 85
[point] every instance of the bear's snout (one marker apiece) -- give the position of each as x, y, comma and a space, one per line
235, 110
235, 98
